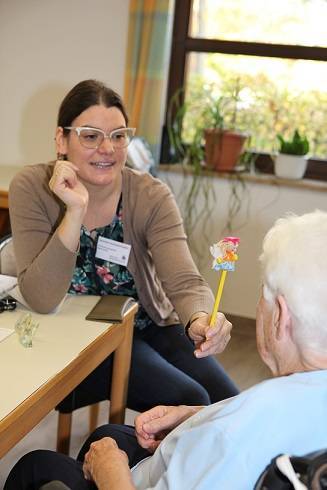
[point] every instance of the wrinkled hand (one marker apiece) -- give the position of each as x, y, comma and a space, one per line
151, 427
210, 340
105, 463
66, 185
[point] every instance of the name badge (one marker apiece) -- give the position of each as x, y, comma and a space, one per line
113, 251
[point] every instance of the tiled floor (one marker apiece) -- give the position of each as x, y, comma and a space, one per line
240, 359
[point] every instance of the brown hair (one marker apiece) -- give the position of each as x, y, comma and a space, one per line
84, 95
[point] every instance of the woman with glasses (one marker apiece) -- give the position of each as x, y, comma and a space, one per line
87, 224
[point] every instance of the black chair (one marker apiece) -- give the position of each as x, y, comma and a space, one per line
286, 472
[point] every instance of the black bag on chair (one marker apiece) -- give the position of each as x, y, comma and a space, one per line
310, 471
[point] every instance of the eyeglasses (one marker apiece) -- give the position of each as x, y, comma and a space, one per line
92, 138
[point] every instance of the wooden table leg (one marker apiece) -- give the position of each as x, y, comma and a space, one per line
63, 432
120, 371
93, 417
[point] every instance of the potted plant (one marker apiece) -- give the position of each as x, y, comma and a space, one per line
213, 139
291, 161
224, 145
197, 174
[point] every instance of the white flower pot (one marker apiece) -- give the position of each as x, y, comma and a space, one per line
290, 166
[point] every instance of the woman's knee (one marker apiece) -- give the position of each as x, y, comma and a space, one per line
115, 431
194, 394
183, 390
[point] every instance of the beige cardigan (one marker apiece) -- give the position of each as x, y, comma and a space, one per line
166, 278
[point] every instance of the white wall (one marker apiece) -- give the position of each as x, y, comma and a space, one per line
262, 205
46, 47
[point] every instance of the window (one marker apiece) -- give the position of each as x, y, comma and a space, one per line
273, 55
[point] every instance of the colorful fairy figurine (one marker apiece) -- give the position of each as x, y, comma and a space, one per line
224, 253
225, 256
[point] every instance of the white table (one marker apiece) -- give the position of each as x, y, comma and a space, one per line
66, 348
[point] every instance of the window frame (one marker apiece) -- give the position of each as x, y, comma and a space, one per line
183, 44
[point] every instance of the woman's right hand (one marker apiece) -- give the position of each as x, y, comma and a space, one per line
66, 185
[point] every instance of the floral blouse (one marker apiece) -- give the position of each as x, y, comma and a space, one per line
96, 276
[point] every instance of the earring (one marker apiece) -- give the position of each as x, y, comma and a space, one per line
61, 156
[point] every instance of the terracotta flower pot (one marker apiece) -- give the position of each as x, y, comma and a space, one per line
223, 148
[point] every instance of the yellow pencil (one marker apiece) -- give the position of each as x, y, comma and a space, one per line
224, 253
218, 298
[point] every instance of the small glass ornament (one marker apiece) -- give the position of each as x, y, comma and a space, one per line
26, 327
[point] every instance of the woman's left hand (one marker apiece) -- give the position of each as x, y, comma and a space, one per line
210, 340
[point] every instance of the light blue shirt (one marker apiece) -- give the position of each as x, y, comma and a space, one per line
227, 445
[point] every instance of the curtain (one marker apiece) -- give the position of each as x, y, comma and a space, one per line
148, 49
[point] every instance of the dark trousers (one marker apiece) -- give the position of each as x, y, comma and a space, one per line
164, 371
40, 467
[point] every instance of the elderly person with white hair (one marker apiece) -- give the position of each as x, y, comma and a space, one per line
228, 444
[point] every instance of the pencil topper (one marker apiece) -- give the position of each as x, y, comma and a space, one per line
224, 253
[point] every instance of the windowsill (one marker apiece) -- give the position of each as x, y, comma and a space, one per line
258, 178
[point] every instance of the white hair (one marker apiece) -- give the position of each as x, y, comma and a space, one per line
294, 265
